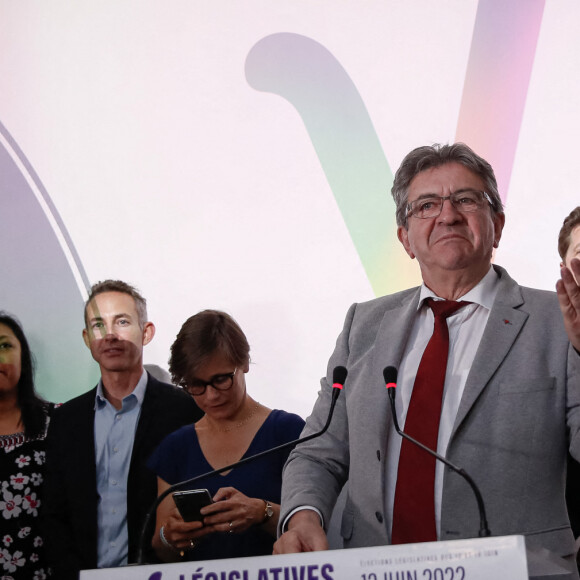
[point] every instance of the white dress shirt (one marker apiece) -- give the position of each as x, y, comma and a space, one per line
466, 328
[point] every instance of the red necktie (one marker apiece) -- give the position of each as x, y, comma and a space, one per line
414, 507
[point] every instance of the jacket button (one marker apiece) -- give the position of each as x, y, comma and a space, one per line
379, 517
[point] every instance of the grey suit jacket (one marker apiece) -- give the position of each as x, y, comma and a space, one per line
519, 414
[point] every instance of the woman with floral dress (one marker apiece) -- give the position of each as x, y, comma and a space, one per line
24, 420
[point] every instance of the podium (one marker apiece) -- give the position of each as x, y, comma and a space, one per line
497, 558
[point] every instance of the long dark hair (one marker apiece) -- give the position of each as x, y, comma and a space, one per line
31, 405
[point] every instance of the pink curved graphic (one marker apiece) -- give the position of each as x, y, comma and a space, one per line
496, 84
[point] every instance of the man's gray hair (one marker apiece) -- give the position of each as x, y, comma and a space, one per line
429, 156
123, 288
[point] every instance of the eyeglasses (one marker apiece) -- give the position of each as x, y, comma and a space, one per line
464, 201
218, 382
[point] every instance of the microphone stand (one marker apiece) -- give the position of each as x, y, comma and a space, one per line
484, 531
176, 486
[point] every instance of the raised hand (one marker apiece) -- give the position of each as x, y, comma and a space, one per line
568, 290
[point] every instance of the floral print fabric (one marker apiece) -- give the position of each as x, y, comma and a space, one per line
21, 476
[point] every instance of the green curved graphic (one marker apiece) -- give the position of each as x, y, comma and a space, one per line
307, 75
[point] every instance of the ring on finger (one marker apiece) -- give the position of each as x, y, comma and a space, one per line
231, 527
192, 543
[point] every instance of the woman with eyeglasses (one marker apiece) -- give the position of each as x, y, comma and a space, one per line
209, 359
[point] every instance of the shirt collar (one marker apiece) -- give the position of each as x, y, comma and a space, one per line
482, 294
138, 392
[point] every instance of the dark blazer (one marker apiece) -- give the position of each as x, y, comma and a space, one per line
70, 491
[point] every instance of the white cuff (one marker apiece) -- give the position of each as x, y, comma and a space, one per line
299, 509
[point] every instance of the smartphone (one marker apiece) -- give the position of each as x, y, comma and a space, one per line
190, 502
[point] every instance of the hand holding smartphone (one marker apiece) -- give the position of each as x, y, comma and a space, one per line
190, 502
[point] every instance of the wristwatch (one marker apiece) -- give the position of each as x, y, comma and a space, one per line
268, 511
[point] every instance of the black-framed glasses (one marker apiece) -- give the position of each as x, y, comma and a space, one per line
218, 382
431, 205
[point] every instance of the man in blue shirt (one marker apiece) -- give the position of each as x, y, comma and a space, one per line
98, 489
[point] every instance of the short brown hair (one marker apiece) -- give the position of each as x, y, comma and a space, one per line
206, 333
124, 288
429, 156
571, 221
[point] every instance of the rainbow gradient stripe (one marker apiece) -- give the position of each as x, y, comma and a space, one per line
499, 69
306, 74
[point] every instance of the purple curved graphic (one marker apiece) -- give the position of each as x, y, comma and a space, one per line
43, 281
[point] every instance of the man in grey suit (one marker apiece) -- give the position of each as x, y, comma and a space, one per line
511, 398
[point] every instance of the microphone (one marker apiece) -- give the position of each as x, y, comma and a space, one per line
390, 376
338, 378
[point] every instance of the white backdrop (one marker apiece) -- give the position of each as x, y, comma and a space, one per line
170, 171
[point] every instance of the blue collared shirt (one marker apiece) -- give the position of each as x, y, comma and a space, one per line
114, 436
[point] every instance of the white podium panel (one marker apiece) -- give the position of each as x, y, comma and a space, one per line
502, 558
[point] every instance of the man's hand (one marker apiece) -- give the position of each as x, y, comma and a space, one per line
568, 291
305, 534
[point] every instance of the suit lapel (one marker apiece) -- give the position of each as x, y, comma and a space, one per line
388, 350
394, 332
144, 417
503, 326
85, 458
